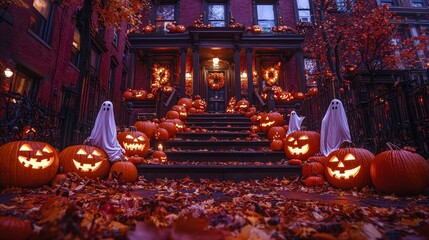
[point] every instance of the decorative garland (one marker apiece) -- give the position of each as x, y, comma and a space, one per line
271, 76
216, 81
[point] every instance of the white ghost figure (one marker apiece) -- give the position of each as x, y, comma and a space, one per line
104, 136
295, 122
335, 128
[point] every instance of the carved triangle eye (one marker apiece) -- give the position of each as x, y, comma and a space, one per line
334, 159
26, 147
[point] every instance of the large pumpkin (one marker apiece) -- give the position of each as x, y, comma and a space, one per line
124, 171
134, 143
302, 144
146, 127
161, 134
186, 102
400, 172
349, 167
270, 120
170, 127
183, 113
15, 228
27, 164
276, 133
86, 161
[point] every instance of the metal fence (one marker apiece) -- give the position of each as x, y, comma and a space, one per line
396, 111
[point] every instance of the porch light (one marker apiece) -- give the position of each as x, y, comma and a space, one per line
188, 75
215, 62
8, 73
244, 75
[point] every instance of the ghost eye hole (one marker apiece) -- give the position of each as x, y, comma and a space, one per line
81, 152
349, 157
304, 137
334, 159
26, 147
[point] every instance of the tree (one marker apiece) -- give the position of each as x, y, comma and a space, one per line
357, 35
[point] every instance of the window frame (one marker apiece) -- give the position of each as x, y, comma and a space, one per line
298, 10
42, 27
421, 2
75, 57
162, 27
275, 14
32, 80
226, 6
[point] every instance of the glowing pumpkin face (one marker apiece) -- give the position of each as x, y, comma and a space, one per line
86, 161
134, 143
270, 120
183, 113
243, 105
27, 163
349, 167
302, 144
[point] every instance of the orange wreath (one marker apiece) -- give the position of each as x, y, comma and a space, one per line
216, 81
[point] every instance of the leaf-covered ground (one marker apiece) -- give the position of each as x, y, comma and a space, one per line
208, 209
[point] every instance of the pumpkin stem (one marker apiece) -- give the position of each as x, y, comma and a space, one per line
133, 129
347, 144
392, 146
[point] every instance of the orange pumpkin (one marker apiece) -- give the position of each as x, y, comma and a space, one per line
349, 167
302, 144
135, 160
15, 228
146, 127
276, 132
140, 94
180, 29
134, 143
243, 105
183, 113
160, 155
400, 172
161, 134
256, 29
172, 114
170, 127
86, 161
186, 102
313, 181
270, 120
124, 172
27, 164
128, 95
311, 169
276, 145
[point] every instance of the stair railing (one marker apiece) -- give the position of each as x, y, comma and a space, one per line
168, 104
260, 104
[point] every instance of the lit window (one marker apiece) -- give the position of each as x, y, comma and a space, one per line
310, 66
304, 10
417, 3
388, 2
24, 84
40, 19
165, 14
216, 15
75, 53
266, 16
95, 62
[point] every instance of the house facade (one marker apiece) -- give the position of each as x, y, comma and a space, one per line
221, 49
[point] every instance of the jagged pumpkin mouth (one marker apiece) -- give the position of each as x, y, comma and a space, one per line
299, 150
36, 163
134, 146
87, 167
346, 174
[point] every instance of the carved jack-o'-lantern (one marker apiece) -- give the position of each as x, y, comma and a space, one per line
85, 160
270, 120
302, 144
199, 104
349, 167
276, 132
140, 94
134, 143
230, 110
243, 105
186, 102
161, 134
27, 163
183, 113
285, 96
160, 154
256, 29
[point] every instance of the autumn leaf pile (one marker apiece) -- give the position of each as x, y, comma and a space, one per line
210, 209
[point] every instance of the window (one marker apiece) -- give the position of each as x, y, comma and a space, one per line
216, 16
124, 80
310, 66
303, 11
75, 53
165, 14
95, 62
388, 2
40, 20
111, 82
341, 5
116, 33
24, 84
417, 3
265, 16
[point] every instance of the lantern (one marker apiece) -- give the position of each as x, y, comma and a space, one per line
27, 164
302, 144
270, 120
349, 167
134, 143
180, 29
86, 161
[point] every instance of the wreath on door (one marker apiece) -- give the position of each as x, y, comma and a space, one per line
216, 81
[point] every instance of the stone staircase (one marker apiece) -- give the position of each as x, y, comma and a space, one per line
220, 148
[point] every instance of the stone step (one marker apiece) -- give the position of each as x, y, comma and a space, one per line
209, 144
225, 128
215, 115
222, 119
220, 172
218, 124
231, 135
225, 156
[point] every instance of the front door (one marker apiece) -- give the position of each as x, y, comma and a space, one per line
216, 91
